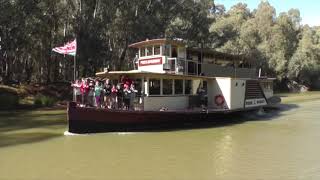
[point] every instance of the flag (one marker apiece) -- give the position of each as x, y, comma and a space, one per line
70, 48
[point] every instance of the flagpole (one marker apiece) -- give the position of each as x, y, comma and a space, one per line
74, 68
70, 49
75, 62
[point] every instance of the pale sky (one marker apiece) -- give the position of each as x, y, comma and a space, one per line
309, 9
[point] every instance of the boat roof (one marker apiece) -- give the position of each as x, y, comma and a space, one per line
139, 73
149, 74
157, 41
217, 54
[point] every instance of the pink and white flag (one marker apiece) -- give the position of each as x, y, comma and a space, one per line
70, 48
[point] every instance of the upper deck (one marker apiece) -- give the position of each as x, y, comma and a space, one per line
173, 56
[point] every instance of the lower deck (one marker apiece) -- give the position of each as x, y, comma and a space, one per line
156, 91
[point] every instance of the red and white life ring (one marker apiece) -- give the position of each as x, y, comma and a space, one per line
219, 100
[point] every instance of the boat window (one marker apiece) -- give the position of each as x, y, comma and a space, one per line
154, 86
178, 86
189, 55
166, 51
149, 51
188, 86
142, 52
167, 86
192, 67
174, 52
157, 50
181, 63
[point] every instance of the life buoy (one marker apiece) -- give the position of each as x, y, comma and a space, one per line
219, 100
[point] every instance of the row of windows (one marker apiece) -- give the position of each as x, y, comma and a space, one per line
156, 50
150, 50
168, 86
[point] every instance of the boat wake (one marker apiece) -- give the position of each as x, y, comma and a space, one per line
67, 133
125, 133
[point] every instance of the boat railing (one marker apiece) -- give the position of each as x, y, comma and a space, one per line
182, 66
138, 103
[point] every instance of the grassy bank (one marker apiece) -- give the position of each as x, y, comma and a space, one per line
299, 97
34, 96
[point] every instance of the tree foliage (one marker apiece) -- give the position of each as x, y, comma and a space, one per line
29, 29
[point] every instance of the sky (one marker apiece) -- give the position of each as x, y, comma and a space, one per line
309, 9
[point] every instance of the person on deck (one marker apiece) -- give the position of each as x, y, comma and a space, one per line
97, 94
114, 92
107, 94
133, 96
120, 95
202, 96
76, 91
126, 80
127, 96
91, 100
84, 88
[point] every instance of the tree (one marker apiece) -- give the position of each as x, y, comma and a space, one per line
304, 65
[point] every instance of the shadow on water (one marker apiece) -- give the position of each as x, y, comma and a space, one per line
23, 127
271, 113
12, 139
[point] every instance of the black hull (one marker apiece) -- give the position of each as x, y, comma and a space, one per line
92, 120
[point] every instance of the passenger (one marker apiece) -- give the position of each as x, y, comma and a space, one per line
84, 89
127, 96
76, 91
91, 100
120, 95
97, 94
201, 93
107, 94
102, 104
114, 92
126, 80
133, 96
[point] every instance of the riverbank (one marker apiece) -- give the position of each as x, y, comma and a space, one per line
299, 97
32, 96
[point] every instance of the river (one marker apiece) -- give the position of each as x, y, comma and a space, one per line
281, 144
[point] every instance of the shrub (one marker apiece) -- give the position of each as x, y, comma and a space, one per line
37, 101
44, 101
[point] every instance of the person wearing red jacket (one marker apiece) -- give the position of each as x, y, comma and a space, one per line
84, 89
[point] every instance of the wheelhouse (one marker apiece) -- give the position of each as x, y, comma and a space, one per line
173, 56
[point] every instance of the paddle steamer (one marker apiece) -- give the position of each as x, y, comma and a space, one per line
177, 84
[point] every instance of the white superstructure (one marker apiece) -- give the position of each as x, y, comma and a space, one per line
173, 77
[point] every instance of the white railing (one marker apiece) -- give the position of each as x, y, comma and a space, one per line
181, 66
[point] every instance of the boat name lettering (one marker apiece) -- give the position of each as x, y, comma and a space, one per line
254, 102
147, 62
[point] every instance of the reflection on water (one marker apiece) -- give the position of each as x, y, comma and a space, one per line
223, 154
276, 145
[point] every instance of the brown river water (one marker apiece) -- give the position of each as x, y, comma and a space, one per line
280, 144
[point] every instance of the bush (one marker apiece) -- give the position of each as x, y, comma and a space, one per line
44, 101
37, 101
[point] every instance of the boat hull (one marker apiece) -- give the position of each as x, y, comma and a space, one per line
92, 120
